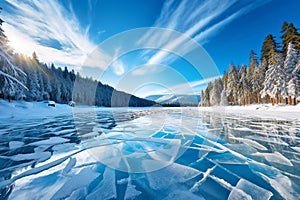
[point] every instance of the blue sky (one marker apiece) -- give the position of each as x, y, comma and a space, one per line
197, 40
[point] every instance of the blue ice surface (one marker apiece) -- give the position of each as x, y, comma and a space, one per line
211, 163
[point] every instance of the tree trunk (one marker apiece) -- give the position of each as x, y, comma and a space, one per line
272, 101
290, 100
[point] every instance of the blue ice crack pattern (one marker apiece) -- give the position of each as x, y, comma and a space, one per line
198, 156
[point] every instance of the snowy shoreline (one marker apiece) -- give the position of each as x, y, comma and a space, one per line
258, 110
23, 109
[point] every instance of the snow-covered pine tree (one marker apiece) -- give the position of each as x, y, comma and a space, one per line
33, 92
274, 84
10, 75
205, 95
201, 98
292, 89
243, 86
292, 57
232, 82
224, 101
294, 85
46, 81
289, 35
257, 81
215, 93
251, 78
225, 79
68, 83
268, 48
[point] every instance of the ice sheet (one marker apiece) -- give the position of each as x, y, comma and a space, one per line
76, 182
107, 187
250, 190
275, 157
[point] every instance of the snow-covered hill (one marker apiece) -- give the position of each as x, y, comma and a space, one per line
175, 99
154, 97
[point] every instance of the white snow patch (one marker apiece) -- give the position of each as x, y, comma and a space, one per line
22, 109
258, 110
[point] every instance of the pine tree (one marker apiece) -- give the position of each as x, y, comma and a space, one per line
277, 77
293, 86
215, 93
33, 92
274, 84
251, 77
225, 79
257, 82
292, 89
224, 101
201, 98
289, 35
46, 81
269, 49
205, 96
10, 75
290, 62
243, 88
232, 83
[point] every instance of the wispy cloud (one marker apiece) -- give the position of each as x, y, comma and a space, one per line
37, 24
118, 65
197, 20
147, 69
54, 32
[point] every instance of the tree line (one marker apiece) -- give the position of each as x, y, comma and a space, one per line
26, 78
275, 78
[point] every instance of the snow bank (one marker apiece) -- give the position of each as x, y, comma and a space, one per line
258, 110
23, 109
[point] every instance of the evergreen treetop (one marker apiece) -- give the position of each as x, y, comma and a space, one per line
289, 35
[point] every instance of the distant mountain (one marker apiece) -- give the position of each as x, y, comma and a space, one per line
181, 99
154, 97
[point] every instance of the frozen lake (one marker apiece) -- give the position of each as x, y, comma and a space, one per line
156, 153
